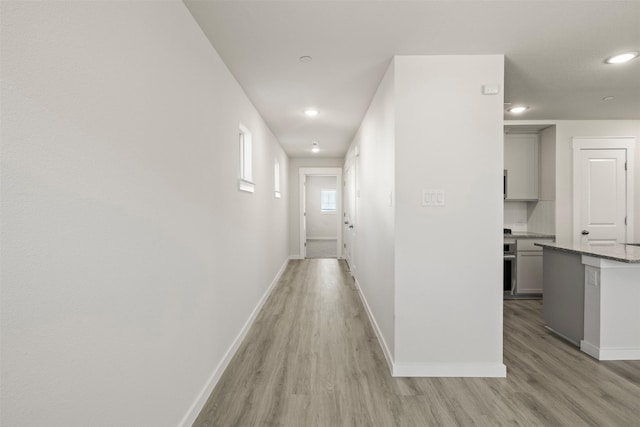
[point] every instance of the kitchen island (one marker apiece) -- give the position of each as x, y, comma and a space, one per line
592, 297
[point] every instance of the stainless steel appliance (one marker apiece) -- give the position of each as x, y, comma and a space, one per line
509, 278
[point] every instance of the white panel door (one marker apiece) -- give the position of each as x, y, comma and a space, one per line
603, 196
349, 192
529, 272
303, 218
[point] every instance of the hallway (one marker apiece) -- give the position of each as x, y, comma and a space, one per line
312, 359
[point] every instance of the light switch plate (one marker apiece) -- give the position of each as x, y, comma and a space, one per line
490, 89
433, 198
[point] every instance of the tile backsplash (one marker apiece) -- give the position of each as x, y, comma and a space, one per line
541, 217
515, 216
538, 217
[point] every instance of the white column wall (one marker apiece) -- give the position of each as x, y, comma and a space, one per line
130, 261
448, 268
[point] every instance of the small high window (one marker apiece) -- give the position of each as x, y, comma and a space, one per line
276, 177
246, 161
328, 201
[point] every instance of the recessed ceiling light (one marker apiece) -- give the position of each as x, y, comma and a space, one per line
314, 147
305, 58
608, 98
623, 57
517, 110
311, 112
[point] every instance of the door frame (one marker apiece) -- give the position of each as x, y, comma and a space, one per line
303, 174
604, 143
346, 195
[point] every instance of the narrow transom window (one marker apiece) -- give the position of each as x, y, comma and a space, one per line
276, 179
245, 160
328, 201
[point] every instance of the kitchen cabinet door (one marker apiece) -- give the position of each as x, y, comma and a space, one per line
529, 274
521, 161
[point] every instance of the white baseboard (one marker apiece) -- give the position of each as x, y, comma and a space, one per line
590, 349
483, 370
444, 370
200, 401
376, 328
564, 337
610, 353
299, 257
322, 238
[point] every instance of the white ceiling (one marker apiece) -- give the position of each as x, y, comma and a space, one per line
554, 56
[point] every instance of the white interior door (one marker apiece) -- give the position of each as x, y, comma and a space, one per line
350, 212
603, 196
303, 218
347, 214
303, 173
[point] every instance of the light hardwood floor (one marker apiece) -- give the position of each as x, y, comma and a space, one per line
312, 359
317, 248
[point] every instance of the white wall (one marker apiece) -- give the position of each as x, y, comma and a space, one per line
294, 194
548, 164
320, 225
125, 242
372, 250
541, 214
541, 217
449, 259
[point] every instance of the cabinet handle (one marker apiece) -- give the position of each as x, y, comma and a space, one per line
585, 232
504, 184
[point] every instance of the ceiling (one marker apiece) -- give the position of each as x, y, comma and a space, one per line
554, 56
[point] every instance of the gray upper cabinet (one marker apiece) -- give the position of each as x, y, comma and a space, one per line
521, 161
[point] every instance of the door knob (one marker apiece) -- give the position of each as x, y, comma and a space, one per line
585, 232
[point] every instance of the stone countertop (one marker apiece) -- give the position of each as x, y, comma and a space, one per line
528, 235
615, 251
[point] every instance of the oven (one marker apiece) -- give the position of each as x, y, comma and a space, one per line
509, 277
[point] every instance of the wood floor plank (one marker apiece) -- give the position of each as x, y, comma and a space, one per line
312, 359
